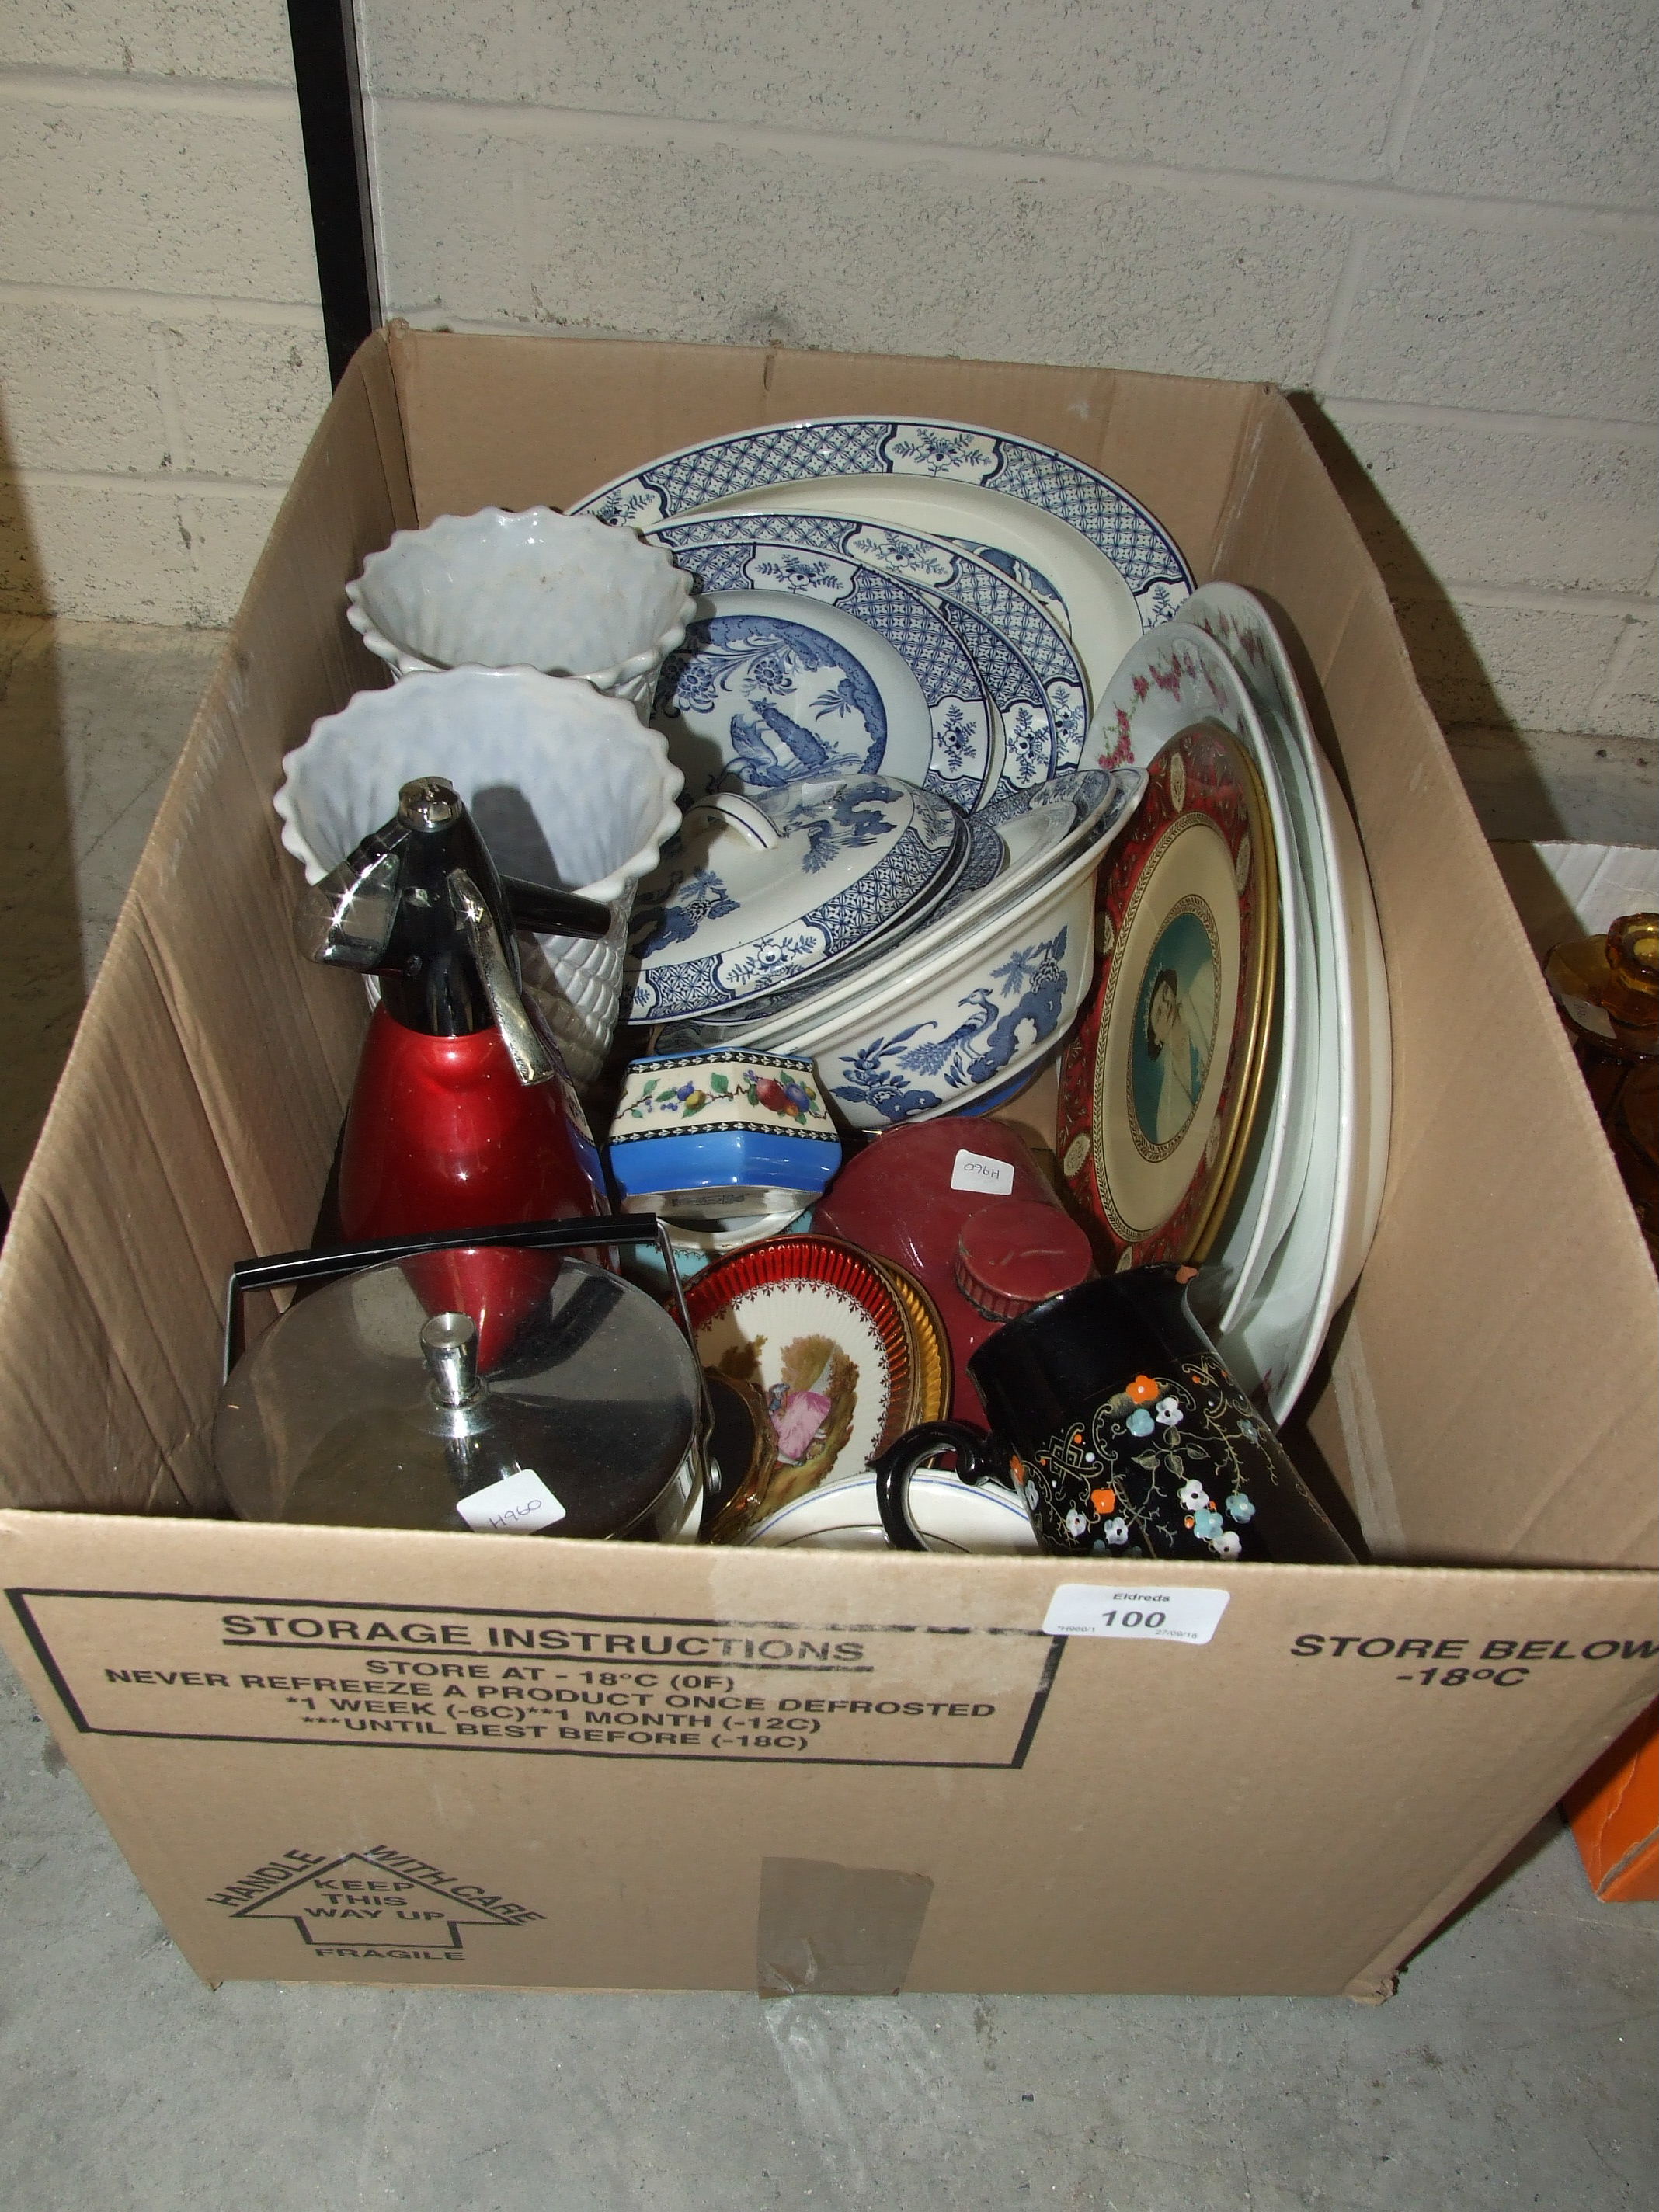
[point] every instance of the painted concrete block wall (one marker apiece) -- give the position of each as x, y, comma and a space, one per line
1438, 215
162, 356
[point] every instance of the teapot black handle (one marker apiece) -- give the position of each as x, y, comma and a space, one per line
979, 1458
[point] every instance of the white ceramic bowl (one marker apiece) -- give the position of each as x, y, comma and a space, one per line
559, 592
843, 1517
565, 785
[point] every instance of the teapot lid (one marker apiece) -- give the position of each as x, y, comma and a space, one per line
364, 1405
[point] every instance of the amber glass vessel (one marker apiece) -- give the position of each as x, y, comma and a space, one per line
1607, 990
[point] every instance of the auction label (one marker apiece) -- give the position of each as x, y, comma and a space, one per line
1168, 1616
387, 1677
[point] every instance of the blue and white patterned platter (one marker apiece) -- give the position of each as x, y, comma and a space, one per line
826, 556
1094, 554
757, 891
769, 688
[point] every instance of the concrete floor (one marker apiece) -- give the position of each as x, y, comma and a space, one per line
1515, 2067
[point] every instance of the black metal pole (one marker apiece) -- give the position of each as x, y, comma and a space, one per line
323, 35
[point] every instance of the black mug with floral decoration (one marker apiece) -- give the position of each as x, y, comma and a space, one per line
1124, 1435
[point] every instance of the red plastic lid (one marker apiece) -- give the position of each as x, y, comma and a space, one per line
1013, 1255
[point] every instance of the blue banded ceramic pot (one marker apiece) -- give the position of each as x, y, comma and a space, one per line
730, 1133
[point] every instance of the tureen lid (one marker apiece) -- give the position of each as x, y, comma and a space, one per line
761, 888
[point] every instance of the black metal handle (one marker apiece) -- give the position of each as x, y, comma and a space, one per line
322, 1263
554, 914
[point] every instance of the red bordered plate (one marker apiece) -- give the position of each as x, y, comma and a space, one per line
812, 1323
1159, 1081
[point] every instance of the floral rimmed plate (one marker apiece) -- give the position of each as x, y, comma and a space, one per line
815, 1326
1037, 685
1158, 1082
1097, 554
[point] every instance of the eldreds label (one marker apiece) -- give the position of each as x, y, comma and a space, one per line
411, 1678
378, 1903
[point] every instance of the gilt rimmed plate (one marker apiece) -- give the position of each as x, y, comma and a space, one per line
1173, 676
826, 555
815, 1327
930, 1346
1089, 549
1158, 1084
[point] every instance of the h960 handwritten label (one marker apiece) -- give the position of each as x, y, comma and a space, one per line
976, 1171
518, 1505
1170, 1616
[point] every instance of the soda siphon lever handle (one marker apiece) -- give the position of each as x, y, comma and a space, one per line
531, 1060
553, 913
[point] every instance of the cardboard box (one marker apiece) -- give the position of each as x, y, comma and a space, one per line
359, 1756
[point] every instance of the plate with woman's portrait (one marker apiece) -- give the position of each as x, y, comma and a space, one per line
1159, 1081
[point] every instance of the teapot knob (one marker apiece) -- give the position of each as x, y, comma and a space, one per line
449, 1344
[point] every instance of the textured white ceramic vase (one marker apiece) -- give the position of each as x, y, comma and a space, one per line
536, 589
565, 786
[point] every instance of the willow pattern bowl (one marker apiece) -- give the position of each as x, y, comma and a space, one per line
960, 1025
562, 593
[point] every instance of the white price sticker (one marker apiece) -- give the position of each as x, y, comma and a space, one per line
1589, 1015
517, 1505
1172, 1616
975, 1171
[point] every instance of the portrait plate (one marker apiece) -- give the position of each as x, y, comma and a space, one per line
1158, 1082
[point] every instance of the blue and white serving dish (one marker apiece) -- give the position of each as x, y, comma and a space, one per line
974, 1018
970, 1007
1094, 555
759, 889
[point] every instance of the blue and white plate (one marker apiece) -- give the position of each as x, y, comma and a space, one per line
768, 690
795, 663
1094, 555
756, 891
825, 553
